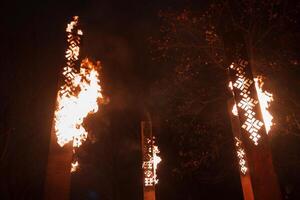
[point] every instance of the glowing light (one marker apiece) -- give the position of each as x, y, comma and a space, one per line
150, 165
234, 110
243, 84
156, 161
265, 98
241, 156
72, 109
230, 85
74, 166
78, 95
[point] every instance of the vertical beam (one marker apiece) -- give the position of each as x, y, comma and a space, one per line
148, 166
253, 133
244, 176
58, 175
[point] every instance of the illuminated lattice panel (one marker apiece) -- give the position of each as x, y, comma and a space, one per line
241, 154
242, 85
72, 55
148, 164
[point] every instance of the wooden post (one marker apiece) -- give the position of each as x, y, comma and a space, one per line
253, 134
148, 166
58, 175
244, 176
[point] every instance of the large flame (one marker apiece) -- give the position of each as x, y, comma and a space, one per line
72, 109
265, 98
78, 96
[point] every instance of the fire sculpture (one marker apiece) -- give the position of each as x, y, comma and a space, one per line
76, 99
150, 161
251, 121
265, 98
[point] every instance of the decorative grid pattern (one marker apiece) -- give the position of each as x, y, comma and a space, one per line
148, 164
246, 100
151, 160
241, 156
72, 55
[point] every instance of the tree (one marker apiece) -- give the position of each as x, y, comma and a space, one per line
191, 45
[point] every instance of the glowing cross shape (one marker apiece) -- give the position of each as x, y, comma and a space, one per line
252, 125
247, 103
241, 156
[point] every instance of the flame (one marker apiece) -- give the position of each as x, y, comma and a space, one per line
74, 166
73, 109
150, 165
234, 110
78, 96
230, 85
265, 98
156, 161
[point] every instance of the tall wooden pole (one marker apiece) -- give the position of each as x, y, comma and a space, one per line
58, 175
241, 157
253, 134
148, 165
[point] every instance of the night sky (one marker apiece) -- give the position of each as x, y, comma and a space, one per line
33, 43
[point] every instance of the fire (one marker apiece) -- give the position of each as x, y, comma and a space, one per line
241, 154
74, 166
156, 161
73, 109
78, 97
151, 163
265, 98
234, 110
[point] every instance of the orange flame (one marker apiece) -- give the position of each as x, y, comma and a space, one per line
265, 98
74, 166
73, 109
156, 161
78, 97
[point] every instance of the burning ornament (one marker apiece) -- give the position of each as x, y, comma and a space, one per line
78, 96
151, 163
241, 154
246, 101
265, 98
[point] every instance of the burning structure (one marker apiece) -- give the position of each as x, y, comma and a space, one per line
150, 160
76, 99
251, 121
